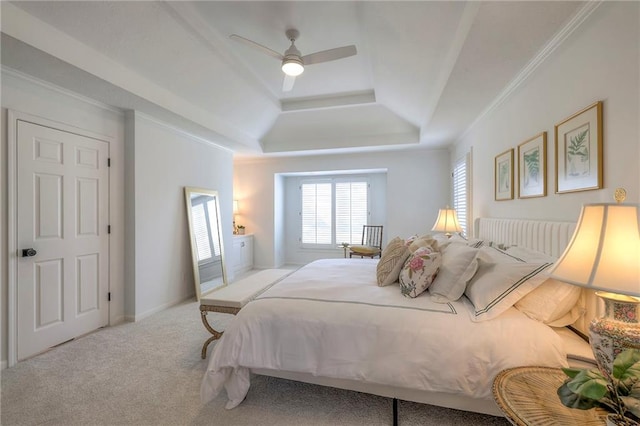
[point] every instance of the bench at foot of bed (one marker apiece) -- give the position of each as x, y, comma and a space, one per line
232, 298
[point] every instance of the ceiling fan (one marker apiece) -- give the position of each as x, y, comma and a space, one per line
292, 62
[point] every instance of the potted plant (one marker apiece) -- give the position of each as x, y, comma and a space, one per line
617, 391
240, 229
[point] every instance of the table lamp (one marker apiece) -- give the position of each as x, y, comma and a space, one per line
235, 212
604, 255
447, 222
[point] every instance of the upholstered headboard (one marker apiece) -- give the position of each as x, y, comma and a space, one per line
544, 236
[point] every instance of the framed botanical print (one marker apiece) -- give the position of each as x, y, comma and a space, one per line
503, 175
532, 167
578, 147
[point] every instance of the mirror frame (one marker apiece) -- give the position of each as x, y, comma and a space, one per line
188, 191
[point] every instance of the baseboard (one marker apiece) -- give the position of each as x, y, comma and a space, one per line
157, 309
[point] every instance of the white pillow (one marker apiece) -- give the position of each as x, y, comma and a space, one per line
529, 255
424, 241
551, 302
450, 283
477, 243
496, 287
391, 261
418, 271
497, 255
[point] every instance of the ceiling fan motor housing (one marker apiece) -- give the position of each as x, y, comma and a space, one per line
292, 63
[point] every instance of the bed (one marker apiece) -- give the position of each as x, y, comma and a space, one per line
331, 323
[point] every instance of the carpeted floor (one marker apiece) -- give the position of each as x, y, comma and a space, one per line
149, 372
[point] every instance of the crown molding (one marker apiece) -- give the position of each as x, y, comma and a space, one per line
58, 89
573, 24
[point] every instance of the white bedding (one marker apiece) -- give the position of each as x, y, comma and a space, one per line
330, 319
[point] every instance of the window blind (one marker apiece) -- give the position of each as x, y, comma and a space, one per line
316, 213
200, 232
351, 211
461, 192
334, 211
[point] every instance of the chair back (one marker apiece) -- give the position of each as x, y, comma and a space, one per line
372, 236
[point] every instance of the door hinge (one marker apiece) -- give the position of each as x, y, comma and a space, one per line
108, 229
108, 162
109, 296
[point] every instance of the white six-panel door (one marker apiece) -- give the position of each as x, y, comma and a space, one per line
62, 214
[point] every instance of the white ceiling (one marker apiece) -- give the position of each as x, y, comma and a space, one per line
424, 72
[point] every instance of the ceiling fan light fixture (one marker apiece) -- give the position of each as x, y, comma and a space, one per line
292, 66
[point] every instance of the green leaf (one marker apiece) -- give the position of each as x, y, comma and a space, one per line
589, 383
571, 372
573, 400
627, 365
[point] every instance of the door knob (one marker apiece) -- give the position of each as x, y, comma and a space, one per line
29, 252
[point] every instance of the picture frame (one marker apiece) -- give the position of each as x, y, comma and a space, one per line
578, 151
532, 167
503, 176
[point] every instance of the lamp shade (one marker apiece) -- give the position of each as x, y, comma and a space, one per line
604, 252
447, 221
235, 207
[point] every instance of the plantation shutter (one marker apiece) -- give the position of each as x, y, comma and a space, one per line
351, 211
316, 213
200, 232
461, 192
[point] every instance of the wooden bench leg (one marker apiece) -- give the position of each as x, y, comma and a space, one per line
216, 334
204, 309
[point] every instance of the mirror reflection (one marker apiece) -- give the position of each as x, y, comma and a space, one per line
207, 250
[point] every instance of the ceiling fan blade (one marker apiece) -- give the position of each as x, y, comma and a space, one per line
287, 83
256, 46
329, 55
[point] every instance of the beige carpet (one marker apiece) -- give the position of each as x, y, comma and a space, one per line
149, 372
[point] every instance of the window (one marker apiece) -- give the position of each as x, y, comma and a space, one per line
334, 211
461, 191
206, 233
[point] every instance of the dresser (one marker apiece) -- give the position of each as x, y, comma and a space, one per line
242, 253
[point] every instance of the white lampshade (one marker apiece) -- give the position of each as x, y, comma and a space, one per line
604, 253
447, 221
292, 67
235, 207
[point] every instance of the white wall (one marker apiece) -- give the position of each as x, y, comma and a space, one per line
26, 95
418, 184
165, 161
599, 61
160, 161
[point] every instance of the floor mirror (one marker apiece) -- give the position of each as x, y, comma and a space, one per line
205, 231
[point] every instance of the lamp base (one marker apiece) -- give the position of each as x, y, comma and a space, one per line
617, 330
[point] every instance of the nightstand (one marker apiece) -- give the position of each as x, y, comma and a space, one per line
528, 396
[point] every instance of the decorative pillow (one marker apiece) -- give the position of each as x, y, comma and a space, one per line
418, 271
424, 241
449, 285
550, 302
496, 287
391, 261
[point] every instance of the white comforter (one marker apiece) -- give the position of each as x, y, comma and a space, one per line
330, 319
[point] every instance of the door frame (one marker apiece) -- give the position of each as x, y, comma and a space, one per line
13, 117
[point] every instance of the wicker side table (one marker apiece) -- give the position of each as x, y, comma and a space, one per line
528, 396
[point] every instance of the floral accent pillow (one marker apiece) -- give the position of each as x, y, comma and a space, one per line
419, 271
